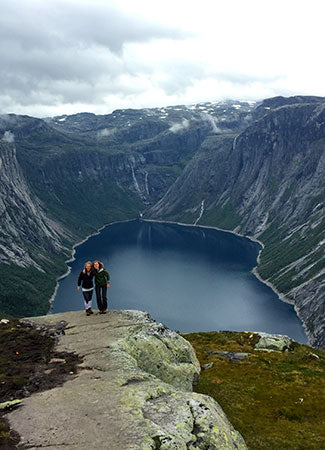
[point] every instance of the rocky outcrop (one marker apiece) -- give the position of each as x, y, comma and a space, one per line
133, 391
273, 342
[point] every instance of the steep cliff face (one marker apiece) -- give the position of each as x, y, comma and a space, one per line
30, 243
24, 225
267, 182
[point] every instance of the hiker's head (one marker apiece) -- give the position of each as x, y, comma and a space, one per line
88, 266
97, 265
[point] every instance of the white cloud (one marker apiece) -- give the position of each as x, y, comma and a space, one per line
105, 132
65, 56
8, 136
177, 127
212, 121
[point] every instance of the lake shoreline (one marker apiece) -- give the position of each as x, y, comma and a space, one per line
72, 258
254, 271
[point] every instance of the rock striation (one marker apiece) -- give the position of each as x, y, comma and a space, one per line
133, 391
24, 224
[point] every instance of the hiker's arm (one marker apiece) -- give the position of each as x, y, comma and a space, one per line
107, 279
79, 281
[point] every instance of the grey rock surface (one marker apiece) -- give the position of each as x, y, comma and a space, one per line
233, 356
133, 391
273, 342
24, 224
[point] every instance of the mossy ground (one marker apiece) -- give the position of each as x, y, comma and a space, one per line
275, 400
25, 368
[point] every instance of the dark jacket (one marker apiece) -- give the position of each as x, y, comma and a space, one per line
101, 277
85, 280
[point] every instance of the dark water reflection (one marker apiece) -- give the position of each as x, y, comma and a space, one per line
189, 278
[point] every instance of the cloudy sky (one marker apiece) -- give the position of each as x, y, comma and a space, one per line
65, 56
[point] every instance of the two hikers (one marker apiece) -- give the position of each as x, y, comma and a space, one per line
85, 280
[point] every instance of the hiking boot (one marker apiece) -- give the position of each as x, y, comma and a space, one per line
104, 311
88, 311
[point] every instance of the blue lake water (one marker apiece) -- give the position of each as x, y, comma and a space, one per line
189, 278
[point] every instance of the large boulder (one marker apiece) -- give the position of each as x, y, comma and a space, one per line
273, 342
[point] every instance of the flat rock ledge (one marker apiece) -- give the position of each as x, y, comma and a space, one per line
133, 391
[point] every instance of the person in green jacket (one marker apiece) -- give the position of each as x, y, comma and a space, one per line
101, 285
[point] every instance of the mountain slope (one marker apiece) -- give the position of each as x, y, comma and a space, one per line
267, 182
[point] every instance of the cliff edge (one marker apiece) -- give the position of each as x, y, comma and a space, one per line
133, 390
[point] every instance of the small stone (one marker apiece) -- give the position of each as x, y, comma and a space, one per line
207, 366
233, 356
4, 321
57, 361
10, 404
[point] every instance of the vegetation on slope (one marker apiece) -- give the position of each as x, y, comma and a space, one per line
28, 363
274, 399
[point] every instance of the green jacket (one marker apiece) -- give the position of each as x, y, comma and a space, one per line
101, 277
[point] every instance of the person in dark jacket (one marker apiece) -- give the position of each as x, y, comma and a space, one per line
101, 285
85, 280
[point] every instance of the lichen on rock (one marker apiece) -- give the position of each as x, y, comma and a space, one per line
161, 352
273, 342
133, 391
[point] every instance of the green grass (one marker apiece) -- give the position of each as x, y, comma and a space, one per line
221, 216
25, 291
261, 396
278, 254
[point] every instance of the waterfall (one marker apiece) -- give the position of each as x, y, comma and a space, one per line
135, 182
234, 143
201, 212
146, 182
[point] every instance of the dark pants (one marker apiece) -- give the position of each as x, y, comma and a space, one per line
101, 297
87, 295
